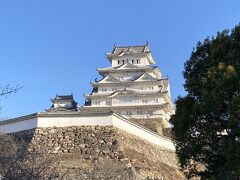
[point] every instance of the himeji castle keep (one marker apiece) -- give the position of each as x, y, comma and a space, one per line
132, 86
131, 94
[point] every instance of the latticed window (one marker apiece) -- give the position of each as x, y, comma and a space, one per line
107, 103
129, 112
150, 112
98, 103
135, 77
144, 101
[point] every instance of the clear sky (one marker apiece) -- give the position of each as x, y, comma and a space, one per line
54, 47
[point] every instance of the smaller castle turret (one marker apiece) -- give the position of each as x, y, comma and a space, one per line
63, 103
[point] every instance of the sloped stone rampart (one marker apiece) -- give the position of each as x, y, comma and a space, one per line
152, 124
102, 152
148, 159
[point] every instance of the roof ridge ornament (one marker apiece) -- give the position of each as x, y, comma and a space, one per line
114, 48
146, 45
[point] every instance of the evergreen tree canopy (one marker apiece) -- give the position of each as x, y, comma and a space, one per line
207, 121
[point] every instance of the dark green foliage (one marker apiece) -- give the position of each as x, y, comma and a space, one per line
207, 121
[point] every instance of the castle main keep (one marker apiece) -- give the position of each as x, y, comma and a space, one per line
133, 86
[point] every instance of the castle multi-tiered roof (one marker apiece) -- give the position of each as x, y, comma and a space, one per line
132, 86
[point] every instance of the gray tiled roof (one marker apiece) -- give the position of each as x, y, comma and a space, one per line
136, 49
65, 97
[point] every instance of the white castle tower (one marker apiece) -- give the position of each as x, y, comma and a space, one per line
132, 87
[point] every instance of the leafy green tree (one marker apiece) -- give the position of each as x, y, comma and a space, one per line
207, 121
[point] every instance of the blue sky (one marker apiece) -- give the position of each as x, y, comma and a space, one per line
54, 47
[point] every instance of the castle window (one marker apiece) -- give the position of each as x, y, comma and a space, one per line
150, 112
155, 100
98, 103
118, 62
114, 89
104, 90
123, 61
129, 112
139, 112
144, 101
145, 78
137, 61
107, 103
132, 61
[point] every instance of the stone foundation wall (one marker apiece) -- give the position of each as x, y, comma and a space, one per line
85, 140
152, 124
150, 160
85, 152
102, 152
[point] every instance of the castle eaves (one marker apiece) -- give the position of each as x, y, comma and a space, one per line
136, 49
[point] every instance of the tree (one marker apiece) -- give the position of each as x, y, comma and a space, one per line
17, 161
7, 90
207, 121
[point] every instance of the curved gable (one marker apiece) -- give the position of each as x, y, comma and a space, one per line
127, 66
124, 92
108, 79
145, 77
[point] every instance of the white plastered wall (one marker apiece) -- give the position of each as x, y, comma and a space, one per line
102, 120
74, 121
136, 130
19, 126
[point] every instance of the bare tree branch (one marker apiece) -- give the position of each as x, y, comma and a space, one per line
7, 90
17, 161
